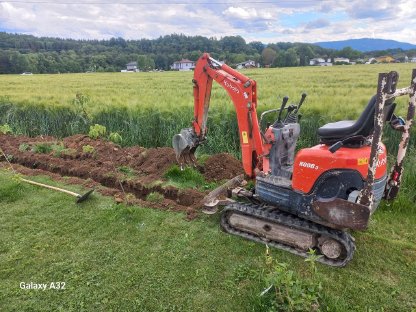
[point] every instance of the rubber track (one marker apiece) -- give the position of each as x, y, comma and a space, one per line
272, 214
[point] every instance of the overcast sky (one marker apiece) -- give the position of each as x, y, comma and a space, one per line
256, 20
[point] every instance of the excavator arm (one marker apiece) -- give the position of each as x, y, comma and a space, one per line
242, 91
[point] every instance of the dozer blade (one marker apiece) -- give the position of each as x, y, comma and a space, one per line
185, 144
342, 213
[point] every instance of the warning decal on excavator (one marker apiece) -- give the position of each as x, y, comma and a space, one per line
244, 136
362, 161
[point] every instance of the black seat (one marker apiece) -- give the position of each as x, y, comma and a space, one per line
359, 129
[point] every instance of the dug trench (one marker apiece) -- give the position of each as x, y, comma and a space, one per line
132, 174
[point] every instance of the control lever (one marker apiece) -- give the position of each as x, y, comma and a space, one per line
302, 99
278, 123
337, 145
290, 109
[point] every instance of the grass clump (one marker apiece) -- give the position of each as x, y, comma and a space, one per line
189, 177
5, 129
97, 131
115, 137
58, 149
88, 149
127, 170
42, 148
24, 147
286, 291
154, 197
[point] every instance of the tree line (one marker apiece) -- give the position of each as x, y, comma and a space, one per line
25, 53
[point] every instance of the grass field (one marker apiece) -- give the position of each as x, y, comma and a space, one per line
119, 258
114, 257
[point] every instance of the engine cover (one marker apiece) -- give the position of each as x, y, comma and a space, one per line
311, 163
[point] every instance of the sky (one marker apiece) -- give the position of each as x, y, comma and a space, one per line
254, 20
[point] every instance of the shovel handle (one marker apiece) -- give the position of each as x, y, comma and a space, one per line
50, 187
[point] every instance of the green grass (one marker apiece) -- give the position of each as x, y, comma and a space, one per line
114, 257
187, 178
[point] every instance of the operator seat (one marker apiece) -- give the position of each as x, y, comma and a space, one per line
355, 129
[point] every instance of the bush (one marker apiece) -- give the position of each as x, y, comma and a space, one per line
97, 131
115, 137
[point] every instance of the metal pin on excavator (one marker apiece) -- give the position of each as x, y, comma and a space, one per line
312, 198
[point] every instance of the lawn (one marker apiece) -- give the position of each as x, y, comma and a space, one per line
114, 257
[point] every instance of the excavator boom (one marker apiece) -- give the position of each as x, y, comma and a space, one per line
242, 91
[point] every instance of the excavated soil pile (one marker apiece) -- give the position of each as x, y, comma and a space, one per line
129, 174
222, 166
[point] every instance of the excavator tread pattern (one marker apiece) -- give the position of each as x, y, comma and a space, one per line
273, 214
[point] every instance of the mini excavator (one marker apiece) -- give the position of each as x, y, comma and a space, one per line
312, 198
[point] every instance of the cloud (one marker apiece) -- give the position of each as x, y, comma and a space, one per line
318, 23
247, 13
305, 21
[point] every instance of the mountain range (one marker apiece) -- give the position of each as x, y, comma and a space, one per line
366, 44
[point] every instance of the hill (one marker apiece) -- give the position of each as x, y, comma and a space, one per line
366, 44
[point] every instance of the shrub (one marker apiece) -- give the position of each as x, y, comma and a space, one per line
97, 131
5, 129
115, 137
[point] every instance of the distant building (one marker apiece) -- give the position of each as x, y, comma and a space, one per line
341, 60
183, 65
371, 61
320, 62
246, 64
385, 59
413, 60
132, 66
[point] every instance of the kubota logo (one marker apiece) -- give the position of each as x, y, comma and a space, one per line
230, 86
308, 165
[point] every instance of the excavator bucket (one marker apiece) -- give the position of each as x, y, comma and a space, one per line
185, 144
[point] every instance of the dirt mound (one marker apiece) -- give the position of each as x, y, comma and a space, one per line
129, 174
221, 167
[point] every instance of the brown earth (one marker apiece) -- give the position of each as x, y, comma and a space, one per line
129, 174
222, 166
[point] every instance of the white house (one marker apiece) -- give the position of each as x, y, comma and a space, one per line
371, 61
132, 67
183, 64
413, 60
320, 62
341, 60
246, 64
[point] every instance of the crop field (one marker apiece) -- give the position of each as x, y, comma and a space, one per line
149, 108
140, 243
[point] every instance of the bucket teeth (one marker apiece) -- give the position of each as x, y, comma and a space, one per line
185, 144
